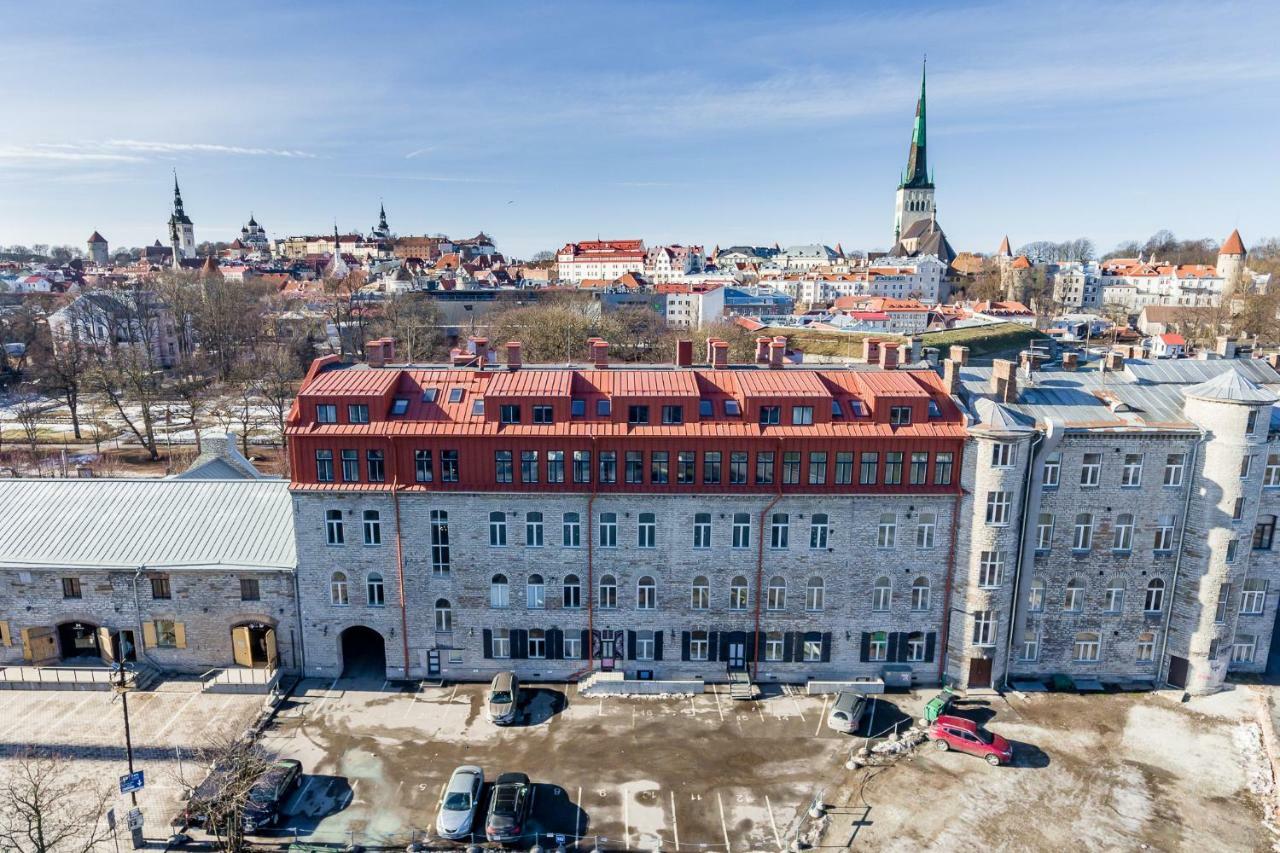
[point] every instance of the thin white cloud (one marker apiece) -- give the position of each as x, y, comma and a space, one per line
38, 153
201, 148
418, 152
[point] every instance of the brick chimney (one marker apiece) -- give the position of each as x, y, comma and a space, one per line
762, 349
374, 354
684, 353
951, 376
889, 355
1273, 359
389, 350
1114, 361
480, 348
959, 354
1004, 380
719, 354
777, 351
870, 350
1070, 361
711, 350
514, 359
600, 354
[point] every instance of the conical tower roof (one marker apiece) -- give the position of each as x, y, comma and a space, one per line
1234, 245
1230, 386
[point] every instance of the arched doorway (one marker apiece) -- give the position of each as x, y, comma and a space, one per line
364, 653
253, 644
78, 640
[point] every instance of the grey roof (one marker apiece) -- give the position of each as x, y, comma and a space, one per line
993, 416
124, 524
1190, 370
215, 468
1231, 387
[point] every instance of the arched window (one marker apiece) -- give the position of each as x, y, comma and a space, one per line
920, 594
646, 594
738, 593
1088, 646
1035, 598
375, 592
881, 594
815, 593
444, 615
497, 529
1155, 596
338, 589
700, 593
1114, 598
535, 593
572, 592
499, 594
1073, 602
533, 530
776, 598
608, 592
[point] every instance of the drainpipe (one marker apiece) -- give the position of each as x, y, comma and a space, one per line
947, 581
755, 641
404, 614
1040, 444
1177, 560
302, 632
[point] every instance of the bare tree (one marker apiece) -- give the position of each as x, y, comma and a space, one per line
45, 807
234, 766
64, 372
413, 320
278, 378
192, 388
27, 410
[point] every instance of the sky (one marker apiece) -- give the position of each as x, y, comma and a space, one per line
708, 123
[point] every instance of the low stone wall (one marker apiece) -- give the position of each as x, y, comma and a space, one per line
818, 688
645, 688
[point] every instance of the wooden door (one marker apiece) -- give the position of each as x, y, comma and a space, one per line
979, 672
269, 640
106, 648
241, 648
1178, 671
40, 645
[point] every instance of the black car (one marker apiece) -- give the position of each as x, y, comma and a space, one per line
509, 806
265, 799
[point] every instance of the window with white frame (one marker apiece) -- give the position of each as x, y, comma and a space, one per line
1131, 470
647, 531
1163, 538
773, 646
699, 645
1036, 595
741, 530
644, 645
646, 593
1073, 601
533, 530
1113, 597
925, 530
1002, 454
1224, 603
702, 530
776, 594
1271, 474
439, 532
881, 594
338, 589
1052, 470
571, 592
1091, 470
608, 530
502, 642
372, 527
1253, 597
811, 648
818, 531
878, 646
1082, 539
1244, 648
497, 529
537, 643
814, 594
915, 647
499, 591
1147, 647
1174, 466
1088, 647
700, 593
1154, 600
887, 530
1246, 463
1122, 537
572, 647
333, 531
608, 594
1030, 644
984, 628
738, 593
1233, 547
990, 568
1044, 531
375, 592
444, 615
920, 594
998, 508
571, 531
779, 530
535, 597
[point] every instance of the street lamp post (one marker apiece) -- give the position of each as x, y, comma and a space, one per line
123, 689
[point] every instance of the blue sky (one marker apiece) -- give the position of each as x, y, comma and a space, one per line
692, 122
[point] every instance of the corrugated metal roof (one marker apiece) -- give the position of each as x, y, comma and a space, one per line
529, 383
1084, 399
172, 524
781, 383
1189, 371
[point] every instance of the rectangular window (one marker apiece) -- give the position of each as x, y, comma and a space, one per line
358, 413
160, 588
1271, 474
528, 466
919, 468
578, 408
990, 568
984, 628
706, 409
71, 588
1264, 532
764, 468
900, 415
572, 648
791, 467
439, 542
448, 466
1174, 464
741, 530
732, 409
333, 532
878, 647
1002, 454
738, 468
1131, 472
1146, 647
1122, 539
698, 645
1237, 511
509, 414
1030, 645
644, 645
533, 530
637, 415
812, 650
166, 633
925, 530
869, 467
887, 530
604, 408
998, 507
582, 466
375, 466
773, 647
1082, 540
555, 466
817, 468
659, 467
770, 415
250, 590
1253, 598
1246, 462
422, 466
893, 468
635, 466
1091, 470
818, 531
1244, 648
801, 415
350, 466
942, 469
702, 530
779, 531
673, 414
502, 642
1164, 533
711, 467
1052, 470
543, 415
326, 413
844, 468
571, 531
685, 466
1233, 546
646, 531
372, 526
1251, 423
1044, 532
1224, 603
324, 466
497, 529
608, 467
608, 530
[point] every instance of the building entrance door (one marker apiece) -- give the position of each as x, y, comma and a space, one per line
606, 653
123, 646
106, 646
433, 663
40, 645
1178, 671
979, 672
737, 654
78, 640
254, 645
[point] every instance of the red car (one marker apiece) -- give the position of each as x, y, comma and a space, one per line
964, 736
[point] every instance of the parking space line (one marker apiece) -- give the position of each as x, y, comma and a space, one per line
692, 707
760, 711
675, 824
600, 708
822, 716
723, 825
626, 818
799, 710
453, 693
578, 828
719, 710
777, 836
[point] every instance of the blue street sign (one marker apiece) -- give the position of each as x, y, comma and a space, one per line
131, 782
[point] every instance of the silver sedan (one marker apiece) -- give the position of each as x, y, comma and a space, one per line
458, 805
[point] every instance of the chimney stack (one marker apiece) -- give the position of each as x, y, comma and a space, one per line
1225, 346
719, 354
374, 355
514, 361
951, 376
389, 350
1070, 361
684, 353
777, 349
1004, 380
959, 354
711, 350
1114, 361
1273, 359
870, 350
480, 349
931, 355
889, 355
600, 353
762, 349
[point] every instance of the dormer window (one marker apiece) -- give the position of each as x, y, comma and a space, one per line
509, 414
770, 415
399, 406
603, 408
836, 411
326, 413
732, 409
801, 415
706, 409
542, 415
637, 414
899, 415
358, 413
857, 408
578, 408
673, 414
455, 395
934, 410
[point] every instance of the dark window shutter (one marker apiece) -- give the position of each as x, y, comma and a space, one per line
749, 646
631, 645
488, 643
788, 647
519, 644
864, 653
657, 645
826, 647
930, 640
586, 645
895, 639
714, 650
555, 644
684, 645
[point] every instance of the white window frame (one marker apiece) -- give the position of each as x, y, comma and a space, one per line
882, 594
887, 531
991, 569
925, 530
1086, 650
998, 504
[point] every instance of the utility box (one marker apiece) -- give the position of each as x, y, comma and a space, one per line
896, 676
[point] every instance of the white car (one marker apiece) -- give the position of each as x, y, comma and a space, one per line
458, 805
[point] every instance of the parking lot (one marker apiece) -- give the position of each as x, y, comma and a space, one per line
688, 773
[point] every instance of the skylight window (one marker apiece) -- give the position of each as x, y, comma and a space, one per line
578, 408
934, 411
399, 406
732, 409
836, 411
705, 409
455, 395
429, 395
477, 405
858, 408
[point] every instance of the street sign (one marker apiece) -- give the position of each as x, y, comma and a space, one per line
131, 782
135, 819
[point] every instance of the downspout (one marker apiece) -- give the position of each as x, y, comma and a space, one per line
1030, 489
947, 580
591, 550
302, 633
1188, 476
755, 642
395, 502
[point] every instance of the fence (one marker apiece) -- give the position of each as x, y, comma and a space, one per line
83, 677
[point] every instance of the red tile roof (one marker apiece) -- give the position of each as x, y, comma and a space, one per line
1234, 245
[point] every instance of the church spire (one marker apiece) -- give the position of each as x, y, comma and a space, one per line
917, 176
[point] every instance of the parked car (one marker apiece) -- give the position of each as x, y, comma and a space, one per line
504, 699
509, 806
846, 712
458, 806
264, 803
964, 736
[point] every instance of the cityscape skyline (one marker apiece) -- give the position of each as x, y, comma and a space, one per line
1040, 139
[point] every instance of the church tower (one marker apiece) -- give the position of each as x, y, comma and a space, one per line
914, 201
182, 234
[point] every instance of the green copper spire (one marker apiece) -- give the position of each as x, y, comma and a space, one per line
917, 166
